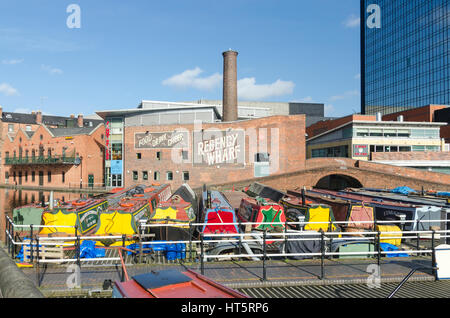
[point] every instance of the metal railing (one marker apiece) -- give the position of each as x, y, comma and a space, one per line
204, 241
40, 160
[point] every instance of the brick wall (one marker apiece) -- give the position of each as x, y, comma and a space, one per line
378, 156
290, 152
369, 174
425, 114
89, 147
327, 125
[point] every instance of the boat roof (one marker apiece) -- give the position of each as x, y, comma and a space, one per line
175, 284
400, 198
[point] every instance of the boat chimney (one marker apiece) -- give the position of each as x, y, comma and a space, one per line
303, 196
400, 118
50, 201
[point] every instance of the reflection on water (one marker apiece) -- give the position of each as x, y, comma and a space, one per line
10, 199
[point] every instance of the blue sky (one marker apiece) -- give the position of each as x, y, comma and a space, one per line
127, 51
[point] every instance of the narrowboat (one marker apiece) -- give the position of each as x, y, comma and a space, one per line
172, 284
260, 190
82, 213
30, 214
259, 210
179, 210
216, 209
389, 210
315, 216
360, 215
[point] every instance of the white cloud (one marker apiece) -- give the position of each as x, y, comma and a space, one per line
346, 95
8, 90
22, 110
307, 99
248, 89
352, 21
191, 78
12, 62
51, 70
329, 110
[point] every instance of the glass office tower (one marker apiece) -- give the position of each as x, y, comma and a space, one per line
405, 60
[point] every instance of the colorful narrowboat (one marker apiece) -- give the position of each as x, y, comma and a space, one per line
360, 215
389, 210
217, 214
178, 211
267, 214
314, 216
82, 213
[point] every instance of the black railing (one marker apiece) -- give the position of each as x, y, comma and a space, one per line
40, 160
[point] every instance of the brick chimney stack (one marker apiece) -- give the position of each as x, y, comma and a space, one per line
80, 121
38, 117
230, 95
1, 112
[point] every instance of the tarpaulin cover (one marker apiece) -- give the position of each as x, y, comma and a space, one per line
403, 190
391, 248
311, 244
444, 194
88, 250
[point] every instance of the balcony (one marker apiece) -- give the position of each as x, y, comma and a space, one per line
53, 160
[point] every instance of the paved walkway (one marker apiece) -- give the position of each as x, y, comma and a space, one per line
248, 274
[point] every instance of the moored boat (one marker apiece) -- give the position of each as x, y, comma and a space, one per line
172, 284
314, 216
267, 214
217, 213
65, 216
178, 211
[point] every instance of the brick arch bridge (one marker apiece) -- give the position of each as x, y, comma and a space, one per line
367, 174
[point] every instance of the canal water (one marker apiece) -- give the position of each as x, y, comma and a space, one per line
10, 199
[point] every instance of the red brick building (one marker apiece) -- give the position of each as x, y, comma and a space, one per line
54, 157
429, 113
214, 153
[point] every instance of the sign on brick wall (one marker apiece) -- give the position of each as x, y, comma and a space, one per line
360, 150
158, 140
219, 147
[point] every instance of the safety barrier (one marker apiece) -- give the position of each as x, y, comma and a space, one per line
261, 238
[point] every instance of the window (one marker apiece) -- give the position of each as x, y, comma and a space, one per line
262, 157
169, 175
156, 176
6, 175
63, 177
28, 128
116, 151
144, 175
139, 156
49, 174
184, 155
10, 127
135, 175
33, 176
185, 175
362, 132
376, 132
26, 176
7, 155
158, 155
